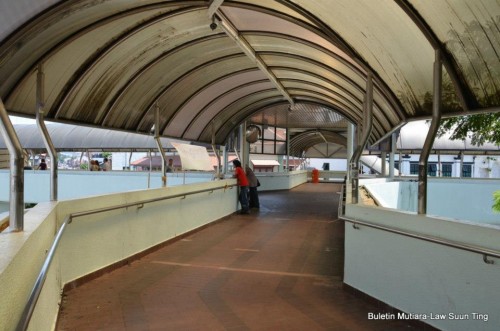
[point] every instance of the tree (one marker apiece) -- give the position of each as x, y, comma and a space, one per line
496, 203
482, 72
479, 128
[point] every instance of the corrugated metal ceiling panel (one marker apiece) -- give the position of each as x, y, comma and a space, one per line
108, 62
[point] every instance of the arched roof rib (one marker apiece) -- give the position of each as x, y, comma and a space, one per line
108, 63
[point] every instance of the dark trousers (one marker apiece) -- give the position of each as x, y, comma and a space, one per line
254, 198
243, 197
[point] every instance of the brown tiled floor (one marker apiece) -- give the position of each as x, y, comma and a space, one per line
279, 268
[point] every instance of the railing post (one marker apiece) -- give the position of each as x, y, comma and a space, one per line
431, 135
16, 208
51, 150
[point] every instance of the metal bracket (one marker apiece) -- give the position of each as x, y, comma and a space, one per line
355, 226
485, 259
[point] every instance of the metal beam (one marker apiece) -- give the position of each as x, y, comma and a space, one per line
160, 146
16, 204
367, 129
214, 7
228, 27
51, 150
431, 135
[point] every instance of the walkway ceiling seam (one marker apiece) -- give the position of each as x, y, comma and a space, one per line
195, 71
242, 88
466, 97
339, 104
377, 123
340, 96
273, 110
227, 109
344, 46
214, 100
288, 69
99, 54
353, 118
308, 43
225, 125
149, 66
334, 71
160, 93
68, 39
229, 28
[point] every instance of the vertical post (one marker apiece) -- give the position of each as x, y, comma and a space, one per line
367, 129
216, 152
225, 157
16, 201
51, 150
350, 148
391, 155
89, 168
287, 148
243, 142
439, 166
460, 171
160, 147
150, 167
383, 170
431, 135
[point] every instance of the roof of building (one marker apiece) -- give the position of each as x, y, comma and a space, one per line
67, 137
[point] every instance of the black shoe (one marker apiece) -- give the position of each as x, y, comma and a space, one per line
243, 212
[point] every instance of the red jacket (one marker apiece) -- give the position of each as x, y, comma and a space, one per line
240, 175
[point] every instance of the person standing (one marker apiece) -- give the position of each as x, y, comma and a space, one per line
253, 183
239, 174
170, 165
106, 166
42, 165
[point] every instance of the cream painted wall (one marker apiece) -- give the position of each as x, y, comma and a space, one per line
93, 242
420, 277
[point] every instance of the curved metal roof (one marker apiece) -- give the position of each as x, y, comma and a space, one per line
108, 63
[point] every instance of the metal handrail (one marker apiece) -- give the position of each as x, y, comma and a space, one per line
471, 248
25, 318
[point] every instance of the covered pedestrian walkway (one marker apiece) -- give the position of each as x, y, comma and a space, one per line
279, 268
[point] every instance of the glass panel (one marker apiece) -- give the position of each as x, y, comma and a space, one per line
431, 169
269, 133
280, 134
256, 148
467, 170
281, 148
471, 32
268, 147
413, 168
446, 169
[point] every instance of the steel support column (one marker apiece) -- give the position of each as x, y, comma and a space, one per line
367, 129
51, 150
16, 201
394, 138
431, 135
160, 147
350, 148
383, 164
